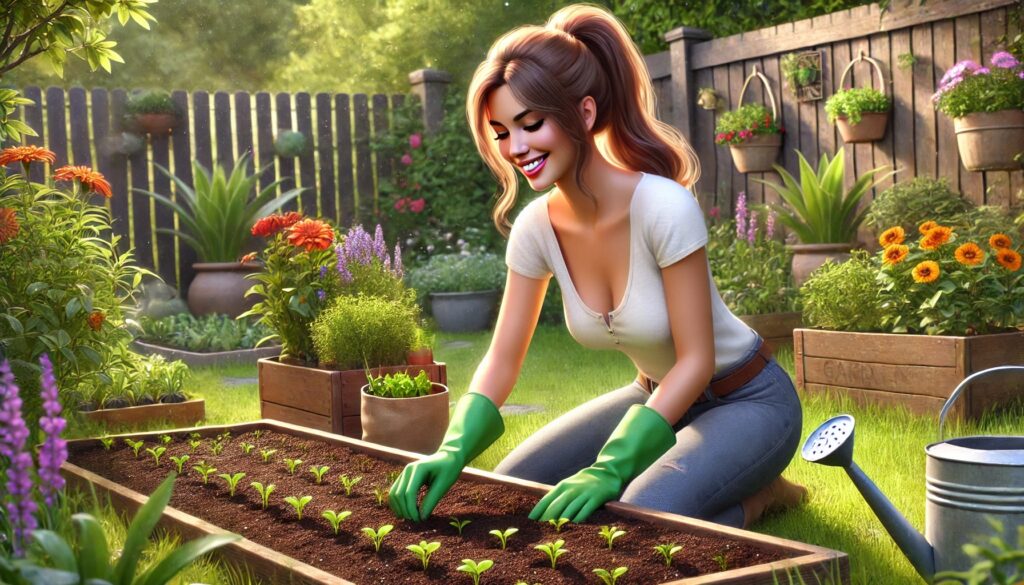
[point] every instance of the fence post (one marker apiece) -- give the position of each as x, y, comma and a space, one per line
430, 85
683, 92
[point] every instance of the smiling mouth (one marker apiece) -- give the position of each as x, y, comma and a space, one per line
533, 167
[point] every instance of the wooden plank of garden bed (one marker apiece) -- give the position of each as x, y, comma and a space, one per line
916, 403
987, 351
907, 379
281, 412
289, 387
924, 350
181, 413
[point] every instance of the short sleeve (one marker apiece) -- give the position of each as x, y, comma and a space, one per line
673, 221
525, 251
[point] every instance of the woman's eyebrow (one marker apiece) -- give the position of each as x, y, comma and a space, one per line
518, 117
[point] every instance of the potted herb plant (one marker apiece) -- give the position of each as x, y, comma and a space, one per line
404, 412
820, 211
462, 289
152, 112
752, 133
802, 72
215, 217
987, 107
862, 114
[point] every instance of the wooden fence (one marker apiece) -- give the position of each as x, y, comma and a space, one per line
919, 141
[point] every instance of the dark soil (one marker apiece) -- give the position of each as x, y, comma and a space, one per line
351, 555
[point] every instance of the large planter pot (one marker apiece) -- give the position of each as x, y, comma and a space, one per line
871, 127
463, 311
219, 287
323, 399
915, 371
156, 124
808, 257
991, 141
179, 413
412, 424
775, 328
756, 154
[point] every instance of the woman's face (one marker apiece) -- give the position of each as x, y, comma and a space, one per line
531, 141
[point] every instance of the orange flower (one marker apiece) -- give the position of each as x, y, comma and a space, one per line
26, 155
291, 218
247, 258
275, 222
894, 254
90, 179
311, 234
1009, 259
926, 271
926, 227
893, 235
96, 319
935, 237
9, 225
998, 241
969, 254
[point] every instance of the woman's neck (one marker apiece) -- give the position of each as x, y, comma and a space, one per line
609, 189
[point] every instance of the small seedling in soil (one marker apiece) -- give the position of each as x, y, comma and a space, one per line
610, 533
364, 464
668, 551
503, 536
553, 550
349, 483
292, 464
335, 518
179, 461
610, 577
392, 477
459, 524
232, 480
723, 562
264, 492
381, 494
318, 472
217, 447
558, 524
377, 536
157, 452
423, 550
266, 453
193, 444
256, 435
166, 439
204, 470
247, 448
474, 568
195, 436
135, 445
299, 503
107, 442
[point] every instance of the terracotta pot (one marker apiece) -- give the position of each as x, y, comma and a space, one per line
219, 287
412, 424
423, 356
156, 124
870, 128
808, 257
756, 154
990, 141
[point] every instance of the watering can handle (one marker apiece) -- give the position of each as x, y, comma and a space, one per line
963, 384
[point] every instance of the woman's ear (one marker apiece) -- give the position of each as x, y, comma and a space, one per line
588, 109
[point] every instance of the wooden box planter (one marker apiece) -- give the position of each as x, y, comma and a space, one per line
320, 557
916, 371
178, 413
327, 400
214, 358
775, 328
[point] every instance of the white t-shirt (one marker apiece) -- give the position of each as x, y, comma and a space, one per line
666, 225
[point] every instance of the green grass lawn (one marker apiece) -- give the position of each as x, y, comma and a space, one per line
559, 374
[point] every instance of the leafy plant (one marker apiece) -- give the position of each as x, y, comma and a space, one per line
968, 88
843, 296
502, 535
381, 495
266, 454
179, 462
204, 333
107, 442
910, 203
298, 503
553, 550
817, 208
264, 492
459, 273
459, 524
359, 331
475, 569
216, 447
399, 385
247, 448
318, 472
610, 577
906, 61
135, 446
150, 102
377, 536
997, 562
852, 103
336, 518
232, 480
558, 523
347, 483
292, 464
204, 470
667, 551
165, 439
290, 144
745, 122
799, 69
423, 550
194, 444
722, 560
156, 452
610, 533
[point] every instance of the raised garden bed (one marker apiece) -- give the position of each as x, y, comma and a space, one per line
213, 358
178, 413
775, 328
915, 371
283, 549
327, 400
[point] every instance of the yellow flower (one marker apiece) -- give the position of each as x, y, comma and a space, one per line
926, 271
894, 254
935, 237
969, 254
998, 241
1009, 259
925, 227
893, 235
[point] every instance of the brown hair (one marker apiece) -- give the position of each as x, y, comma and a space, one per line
581, 51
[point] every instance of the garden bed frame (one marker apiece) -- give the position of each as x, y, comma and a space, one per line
178, 413
811, 561
915, 371
200, 359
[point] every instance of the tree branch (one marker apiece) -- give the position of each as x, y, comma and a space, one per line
17, 40
25, 56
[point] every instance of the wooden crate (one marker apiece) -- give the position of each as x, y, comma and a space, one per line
178, 413
775, 328
916, 371
327, 400
813, 563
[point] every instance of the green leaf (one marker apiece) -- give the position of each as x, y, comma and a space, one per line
57, 549
141, 527
93, 554
185, 556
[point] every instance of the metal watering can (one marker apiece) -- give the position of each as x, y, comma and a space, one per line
970, 480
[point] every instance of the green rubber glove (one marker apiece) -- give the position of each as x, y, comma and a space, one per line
475, 424
641, 438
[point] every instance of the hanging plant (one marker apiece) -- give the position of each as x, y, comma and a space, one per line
290, 144
802, 72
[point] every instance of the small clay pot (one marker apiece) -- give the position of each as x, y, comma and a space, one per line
423, 356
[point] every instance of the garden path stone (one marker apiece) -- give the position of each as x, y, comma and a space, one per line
456, 344
231, 381
521, 408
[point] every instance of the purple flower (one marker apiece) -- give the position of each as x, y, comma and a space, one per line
343, 272
398, 270
320, 294
359, 246
958, 70
21, 507
54, 451
769, 227
1004, 60
323, 271
982, 71
752, 230
380, 249
741, 215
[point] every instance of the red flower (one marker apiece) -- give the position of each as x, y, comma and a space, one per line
311, 234
26, 155
291, 218
9, 225
417, 205
96, 319
273, 223
89, 179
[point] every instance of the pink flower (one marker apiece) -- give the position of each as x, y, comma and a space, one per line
1004, 60
714, 212
966, 66
401, 203
415, 140
417, 205
982, 71
406, 159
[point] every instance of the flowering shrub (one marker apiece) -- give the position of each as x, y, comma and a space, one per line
745, 122
967, 87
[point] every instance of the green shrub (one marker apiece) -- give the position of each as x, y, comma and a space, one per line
752, 278
356, 332
151, 102
843, 296
908, 204
459, 273
851, 103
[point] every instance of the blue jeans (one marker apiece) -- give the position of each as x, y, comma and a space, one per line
726, 449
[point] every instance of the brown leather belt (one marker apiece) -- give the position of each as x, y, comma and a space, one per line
731, 381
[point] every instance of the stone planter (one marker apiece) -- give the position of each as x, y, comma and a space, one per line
327, 400
915, 371
870, 128
213, 358
991, 141
808, 257
775, 328
178, 413
414, 424
219, 287
463, 311
756, 154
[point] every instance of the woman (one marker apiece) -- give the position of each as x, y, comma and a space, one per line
711, 420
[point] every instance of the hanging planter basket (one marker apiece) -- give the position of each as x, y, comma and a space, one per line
991, 141
872, 125
758, 153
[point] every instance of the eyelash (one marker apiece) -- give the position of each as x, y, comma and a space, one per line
531, 128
